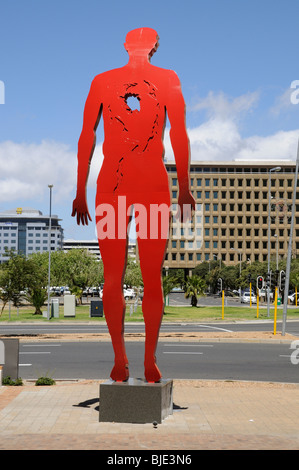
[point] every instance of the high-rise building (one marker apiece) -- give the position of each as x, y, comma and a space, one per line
231, 221
26, 231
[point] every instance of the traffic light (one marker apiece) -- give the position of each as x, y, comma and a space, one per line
277, 277
268, 279
282, 281
260, 282
272, 280
219, 284
249, 278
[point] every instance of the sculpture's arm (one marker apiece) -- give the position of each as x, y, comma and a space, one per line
86, 144
180, 142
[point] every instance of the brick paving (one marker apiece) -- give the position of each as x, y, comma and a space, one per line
207, 415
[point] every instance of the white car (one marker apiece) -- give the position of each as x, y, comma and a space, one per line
245, 299
292, 298
129, 294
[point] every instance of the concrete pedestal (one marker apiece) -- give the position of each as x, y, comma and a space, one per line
135, 401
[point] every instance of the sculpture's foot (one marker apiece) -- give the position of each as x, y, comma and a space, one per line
151, 372
120, 372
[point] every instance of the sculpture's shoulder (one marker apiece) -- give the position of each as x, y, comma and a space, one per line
102, 79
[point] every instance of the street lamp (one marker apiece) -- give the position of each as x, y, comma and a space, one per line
276, 240
240, 258
277, 168
50, 186
288, 267
217, 259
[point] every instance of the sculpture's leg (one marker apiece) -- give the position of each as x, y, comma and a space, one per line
151, 254
114, 309
114, 256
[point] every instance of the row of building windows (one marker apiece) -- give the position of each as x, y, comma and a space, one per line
234, 169
198, 244
238, 194
198, 257
248, 182
233, 232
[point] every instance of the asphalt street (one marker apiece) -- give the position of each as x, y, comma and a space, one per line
24, 329
177, 360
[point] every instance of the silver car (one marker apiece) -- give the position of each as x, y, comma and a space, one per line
245, 299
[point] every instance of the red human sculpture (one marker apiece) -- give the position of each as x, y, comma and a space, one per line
133, 174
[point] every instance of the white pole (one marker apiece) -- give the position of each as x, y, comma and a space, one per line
50, 186
288, 268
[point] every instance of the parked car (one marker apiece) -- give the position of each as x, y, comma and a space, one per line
87, 291
263, 294
292, 298
129, 293
245, 299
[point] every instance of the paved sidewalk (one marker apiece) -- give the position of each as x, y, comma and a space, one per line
206, 415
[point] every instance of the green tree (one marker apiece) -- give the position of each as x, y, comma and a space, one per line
77, 269
169, 282
230, 277
14, 276
194, 287
36, 291
133, 276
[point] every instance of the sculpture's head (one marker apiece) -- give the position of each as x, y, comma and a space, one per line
142, 41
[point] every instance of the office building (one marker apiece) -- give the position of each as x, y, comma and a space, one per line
93, 247
231, 221
26, 231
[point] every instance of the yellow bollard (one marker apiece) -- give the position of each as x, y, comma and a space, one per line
275, 311
222, 304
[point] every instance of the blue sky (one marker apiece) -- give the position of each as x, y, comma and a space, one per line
236, 60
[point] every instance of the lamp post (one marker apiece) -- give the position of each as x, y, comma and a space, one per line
277, 168
50, 186
217, 259
276, 240
288, 267
240, 259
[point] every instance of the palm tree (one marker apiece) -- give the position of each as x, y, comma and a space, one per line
37, 296
194, 287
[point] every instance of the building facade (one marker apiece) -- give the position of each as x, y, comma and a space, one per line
26, 231
231, 219
93, 247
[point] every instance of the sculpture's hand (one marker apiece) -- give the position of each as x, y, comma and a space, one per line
81, 210
186, 205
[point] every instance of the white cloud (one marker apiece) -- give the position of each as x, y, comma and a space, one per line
283, 103
222, 107
27, 169
219, 137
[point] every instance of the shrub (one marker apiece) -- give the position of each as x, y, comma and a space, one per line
45, 381
8, 381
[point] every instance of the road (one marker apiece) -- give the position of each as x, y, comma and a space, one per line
292, 327
177, 360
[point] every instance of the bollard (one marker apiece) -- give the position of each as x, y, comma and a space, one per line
275, 311
222, 304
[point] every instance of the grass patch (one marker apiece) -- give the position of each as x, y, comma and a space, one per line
172, 314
